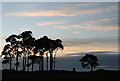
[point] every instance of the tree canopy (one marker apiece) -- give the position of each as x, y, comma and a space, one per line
89, 61
30, 49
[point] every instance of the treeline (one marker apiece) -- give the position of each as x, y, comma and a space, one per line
31, 50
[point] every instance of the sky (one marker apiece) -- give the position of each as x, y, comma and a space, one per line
60, 1
82, 26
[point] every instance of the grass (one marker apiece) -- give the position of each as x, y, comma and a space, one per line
60, 75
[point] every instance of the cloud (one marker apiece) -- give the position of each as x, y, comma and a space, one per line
77, 42
75, 45
68, 26
40, 13
92, 52
89, 48
76, 32
107, 19
53, 13
100, 27
86, 42
92, 21
72, 6
24, 28
102, 19
90, 27
63, 27
49, 23
66, 9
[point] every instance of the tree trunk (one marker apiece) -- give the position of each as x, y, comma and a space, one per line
39, 65
17, 60
10, 62
54, 62
27, 59
42, 62
32, 66
23, 64
27, 64
47, 62
91, 68
51, 61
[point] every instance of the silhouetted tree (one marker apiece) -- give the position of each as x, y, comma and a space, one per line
51, 46
89, 60
15, 44
41, 45
27, 45
56, 46
8, 55
34, 59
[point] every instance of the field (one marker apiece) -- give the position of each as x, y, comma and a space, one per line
60, 75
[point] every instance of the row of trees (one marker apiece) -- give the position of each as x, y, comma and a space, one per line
31, 50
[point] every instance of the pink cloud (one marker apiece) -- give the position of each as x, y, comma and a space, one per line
63, 10
90, 27
87, 48
92, 21
62, 27
107, 28
102, 19
49, 23
39, 13
74, 6
68, 26
75, 45
100, 27
107, 19
54, 13
76, 32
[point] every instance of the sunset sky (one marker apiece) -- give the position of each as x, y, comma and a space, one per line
82, 26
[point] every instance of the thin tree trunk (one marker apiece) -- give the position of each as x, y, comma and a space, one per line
23, 64
27, 64
27, 59
17, 61
42, 62
91, 67
54, 63
55, 60
39, 65
47, 61
10, 62
51, 61
32, 66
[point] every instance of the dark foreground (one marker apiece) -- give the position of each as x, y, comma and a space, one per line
60, 75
